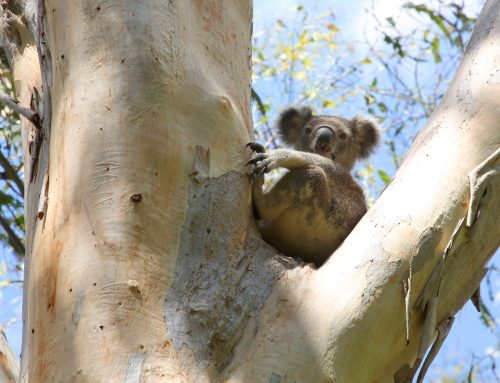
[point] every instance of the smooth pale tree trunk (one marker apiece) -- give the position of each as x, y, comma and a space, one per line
144, 263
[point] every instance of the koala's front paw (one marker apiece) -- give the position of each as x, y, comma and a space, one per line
259, 154
263, 162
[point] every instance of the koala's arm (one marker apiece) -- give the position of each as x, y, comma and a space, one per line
273, 202
288, 159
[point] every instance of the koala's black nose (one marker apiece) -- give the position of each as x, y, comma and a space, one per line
324, 139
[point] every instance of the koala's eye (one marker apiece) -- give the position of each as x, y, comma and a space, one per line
343, 136
307, 130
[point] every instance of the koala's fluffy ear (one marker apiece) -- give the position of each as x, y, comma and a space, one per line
291, 122
366, 133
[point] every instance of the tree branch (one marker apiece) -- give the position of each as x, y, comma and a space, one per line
13, 31
29, 114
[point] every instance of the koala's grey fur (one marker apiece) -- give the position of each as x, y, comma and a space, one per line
309, 211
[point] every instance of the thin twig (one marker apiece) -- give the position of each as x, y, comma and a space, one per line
13, 104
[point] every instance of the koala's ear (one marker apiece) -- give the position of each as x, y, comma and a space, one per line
366, 133
291, 122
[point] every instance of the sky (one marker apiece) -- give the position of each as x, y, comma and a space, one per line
351, 16
468, 335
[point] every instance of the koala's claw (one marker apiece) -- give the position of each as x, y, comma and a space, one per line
257, 158
261, 162
255, 147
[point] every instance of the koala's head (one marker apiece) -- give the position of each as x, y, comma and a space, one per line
337, 138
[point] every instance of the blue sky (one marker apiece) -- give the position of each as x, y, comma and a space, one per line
351, 16
11, 304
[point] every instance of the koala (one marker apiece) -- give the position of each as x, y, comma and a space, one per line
311, 209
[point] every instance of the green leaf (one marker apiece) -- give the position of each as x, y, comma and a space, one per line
260, 105
426, 34
280, 24
384, 177
439, 21
332, 27
486, 317
435, 49
382, 107
369, 99
396, 44
328, 104
5, 199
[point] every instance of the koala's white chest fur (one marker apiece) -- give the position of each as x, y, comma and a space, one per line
309, 211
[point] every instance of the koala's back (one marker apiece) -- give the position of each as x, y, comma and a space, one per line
325, 203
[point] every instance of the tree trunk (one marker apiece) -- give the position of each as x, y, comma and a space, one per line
144, 263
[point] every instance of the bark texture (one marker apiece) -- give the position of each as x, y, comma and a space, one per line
137, 93
145, 264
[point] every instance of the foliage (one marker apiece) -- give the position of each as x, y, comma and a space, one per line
11, 205
11, 171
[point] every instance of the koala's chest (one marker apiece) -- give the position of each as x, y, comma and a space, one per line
326, 201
